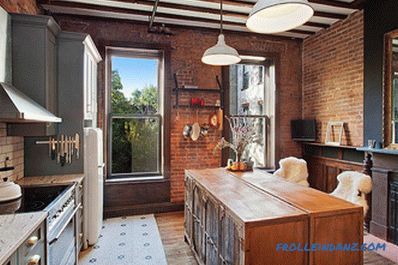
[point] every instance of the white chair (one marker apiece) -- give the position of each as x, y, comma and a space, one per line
353, 187
294, 170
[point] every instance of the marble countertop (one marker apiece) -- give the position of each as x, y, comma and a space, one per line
15, 229
55, 179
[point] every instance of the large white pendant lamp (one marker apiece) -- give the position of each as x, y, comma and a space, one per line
273, 16
221, 54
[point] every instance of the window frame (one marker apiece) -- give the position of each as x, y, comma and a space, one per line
143, 53
272, 61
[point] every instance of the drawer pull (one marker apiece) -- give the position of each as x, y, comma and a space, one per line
32, 241
34, 260
80, 235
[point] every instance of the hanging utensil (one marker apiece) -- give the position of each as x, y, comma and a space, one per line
49, 147
63, 158
220, 115
58, 151
196, 128
77, 145
53, 153
70, 149
67, 149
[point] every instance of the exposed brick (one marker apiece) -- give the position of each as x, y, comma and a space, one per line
20, 6
333, 78
188, 46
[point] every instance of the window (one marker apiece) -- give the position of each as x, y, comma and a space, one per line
136, 113
252, 94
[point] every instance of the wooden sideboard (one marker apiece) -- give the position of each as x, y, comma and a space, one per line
238, 219
325, 162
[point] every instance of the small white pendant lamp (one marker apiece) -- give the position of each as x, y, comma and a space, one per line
273, 16
221, 54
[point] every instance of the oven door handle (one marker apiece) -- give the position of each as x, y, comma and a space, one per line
66, 224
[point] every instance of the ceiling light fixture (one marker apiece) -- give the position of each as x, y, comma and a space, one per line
253, 58
273, 16
221, 54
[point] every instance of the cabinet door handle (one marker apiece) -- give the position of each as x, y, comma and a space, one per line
34, 260
32, 241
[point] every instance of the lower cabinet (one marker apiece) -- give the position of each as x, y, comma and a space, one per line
214, 235
32, 251
230, 241
243, 219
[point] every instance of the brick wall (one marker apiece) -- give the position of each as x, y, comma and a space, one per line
187, 48
333, 78
20, 6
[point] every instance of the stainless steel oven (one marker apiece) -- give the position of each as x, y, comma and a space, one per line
62, 244
62, 230
59, 202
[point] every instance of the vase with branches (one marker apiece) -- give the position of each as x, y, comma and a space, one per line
243, 132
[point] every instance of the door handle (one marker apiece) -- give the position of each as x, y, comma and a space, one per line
66, 224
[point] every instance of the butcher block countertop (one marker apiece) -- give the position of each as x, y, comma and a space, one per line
307, 199
243, 200
269, 210
14, 229
54, 179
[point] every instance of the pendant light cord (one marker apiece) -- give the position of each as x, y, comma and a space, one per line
221, 16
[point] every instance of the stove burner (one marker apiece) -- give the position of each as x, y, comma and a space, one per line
35, 205
35, 198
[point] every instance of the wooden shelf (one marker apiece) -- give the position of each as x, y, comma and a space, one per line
326, 145
194, 107
198, 90
178, 89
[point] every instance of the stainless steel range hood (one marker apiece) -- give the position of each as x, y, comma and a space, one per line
16, 107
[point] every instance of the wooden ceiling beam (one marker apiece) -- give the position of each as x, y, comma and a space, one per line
186, 11
330, 15
333, 3
173, 8
171, 16
226, 13
232, 19
141, 19
250, 3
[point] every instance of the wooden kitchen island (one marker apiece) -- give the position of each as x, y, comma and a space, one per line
240, 218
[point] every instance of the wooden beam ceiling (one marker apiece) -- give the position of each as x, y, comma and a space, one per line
200, 13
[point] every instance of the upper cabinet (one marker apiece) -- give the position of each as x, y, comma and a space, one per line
77, 78
34, 67
91, 59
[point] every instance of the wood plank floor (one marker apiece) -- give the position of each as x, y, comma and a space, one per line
171, 227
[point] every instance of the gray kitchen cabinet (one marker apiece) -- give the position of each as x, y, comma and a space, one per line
34, 67
32, 251
77, 59
12, 260
77, 79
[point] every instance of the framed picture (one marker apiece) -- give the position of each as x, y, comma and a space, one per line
334, 133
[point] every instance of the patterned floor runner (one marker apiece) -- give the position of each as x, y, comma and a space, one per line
133, 240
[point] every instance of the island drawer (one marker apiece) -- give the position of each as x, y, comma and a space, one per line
34, 241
